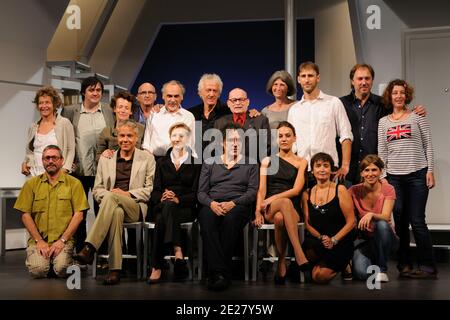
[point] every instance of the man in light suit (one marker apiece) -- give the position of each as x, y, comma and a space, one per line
88, 119
122, 187
256, 129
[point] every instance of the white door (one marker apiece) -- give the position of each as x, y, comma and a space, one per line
427, 68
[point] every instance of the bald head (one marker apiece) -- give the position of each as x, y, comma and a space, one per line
146, 95
238, 101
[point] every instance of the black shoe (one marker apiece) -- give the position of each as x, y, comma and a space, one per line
347, 275
86, 255
180, 270
218, 283
306, 268
279, 280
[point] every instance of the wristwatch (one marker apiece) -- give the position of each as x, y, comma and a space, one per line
334, 241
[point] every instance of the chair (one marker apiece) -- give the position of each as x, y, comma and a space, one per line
138, 256
189, 227
268, 227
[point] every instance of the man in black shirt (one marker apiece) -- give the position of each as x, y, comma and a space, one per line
364, 110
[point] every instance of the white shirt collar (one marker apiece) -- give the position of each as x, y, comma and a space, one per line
182, 159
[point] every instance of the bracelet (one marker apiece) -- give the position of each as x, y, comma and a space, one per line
334, 241
37, 240
320, 237
63, 240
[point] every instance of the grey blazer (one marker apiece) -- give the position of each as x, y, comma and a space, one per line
73, 114
65, 139
141, 179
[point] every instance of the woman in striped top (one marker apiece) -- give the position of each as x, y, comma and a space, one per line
404, 144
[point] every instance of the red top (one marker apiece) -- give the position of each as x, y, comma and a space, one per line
357, 193
239, 118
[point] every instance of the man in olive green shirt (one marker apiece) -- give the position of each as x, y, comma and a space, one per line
51, 206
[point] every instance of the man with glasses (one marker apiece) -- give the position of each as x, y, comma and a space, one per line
256, 129
146, 98
156, 136
52, 206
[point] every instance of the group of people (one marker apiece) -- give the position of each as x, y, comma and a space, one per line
289, 163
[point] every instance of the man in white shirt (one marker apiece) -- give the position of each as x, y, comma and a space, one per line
318, 119
156, 136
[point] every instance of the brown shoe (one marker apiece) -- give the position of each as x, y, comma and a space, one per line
112, 278
405, 272
421, 274
86, 255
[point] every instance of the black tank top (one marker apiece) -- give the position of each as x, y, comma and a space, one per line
327, 219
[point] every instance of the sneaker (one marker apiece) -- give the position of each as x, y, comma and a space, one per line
382, 277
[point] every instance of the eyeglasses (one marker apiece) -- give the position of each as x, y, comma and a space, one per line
144, 93
53, 158
236, 100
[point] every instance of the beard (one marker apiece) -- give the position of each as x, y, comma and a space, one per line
51, 169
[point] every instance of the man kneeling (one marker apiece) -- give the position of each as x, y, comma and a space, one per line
52, 205
122, 187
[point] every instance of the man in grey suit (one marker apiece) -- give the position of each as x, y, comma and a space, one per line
88, 119
123, 185
256, 129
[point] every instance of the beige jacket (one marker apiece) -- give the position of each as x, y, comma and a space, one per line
141, 180
64, 136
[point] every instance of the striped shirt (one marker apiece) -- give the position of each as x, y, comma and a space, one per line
405, 145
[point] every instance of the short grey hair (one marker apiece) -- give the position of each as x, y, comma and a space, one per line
52, 147
173, 82
210, 77
129, 123
284, 76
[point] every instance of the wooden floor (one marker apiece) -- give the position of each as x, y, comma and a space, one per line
15, 283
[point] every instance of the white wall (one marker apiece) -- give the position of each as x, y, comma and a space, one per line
26, 28
381, 48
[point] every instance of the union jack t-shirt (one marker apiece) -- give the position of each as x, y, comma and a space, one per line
405, 145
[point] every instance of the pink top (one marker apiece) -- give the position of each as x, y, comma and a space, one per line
357, 193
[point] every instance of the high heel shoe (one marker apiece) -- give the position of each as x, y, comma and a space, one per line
295, 269
280, 280
306, 268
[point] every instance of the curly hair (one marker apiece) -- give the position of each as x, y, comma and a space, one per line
387, 94
48, 92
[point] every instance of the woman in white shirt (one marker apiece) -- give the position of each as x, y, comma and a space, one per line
49, 129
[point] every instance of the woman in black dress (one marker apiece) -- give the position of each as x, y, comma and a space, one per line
173, 200
278, 199
330, 221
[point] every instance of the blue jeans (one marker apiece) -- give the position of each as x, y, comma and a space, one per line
375, 250
412, 194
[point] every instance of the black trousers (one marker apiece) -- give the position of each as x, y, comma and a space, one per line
220, 234
80, 234
169, 216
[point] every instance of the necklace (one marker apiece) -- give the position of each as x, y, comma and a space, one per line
396, 118
318, 204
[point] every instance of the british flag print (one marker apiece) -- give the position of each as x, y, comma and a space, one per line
401, 131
